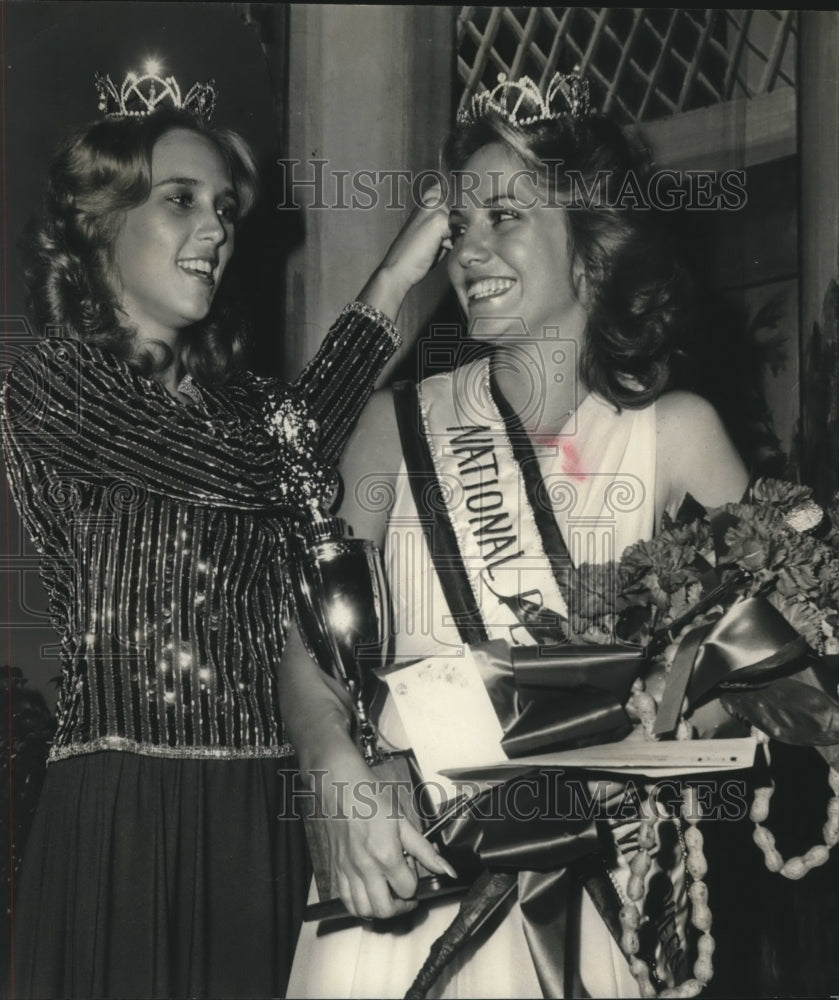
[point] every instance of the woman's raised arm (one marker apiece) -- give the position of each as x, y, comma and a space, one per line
340, 378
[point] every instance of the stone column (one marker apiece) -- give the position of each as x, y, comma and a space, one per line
370, 89
818, 92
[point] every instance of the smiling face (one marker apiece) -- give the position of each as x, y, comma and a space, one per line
171, 250
511, 260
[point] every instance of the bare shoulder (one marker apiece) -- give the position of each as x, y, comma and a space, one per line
680, 412
369, 467
695, 453
687, 423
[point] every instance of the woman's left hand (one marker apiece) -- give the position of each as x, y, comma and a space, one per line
422, 243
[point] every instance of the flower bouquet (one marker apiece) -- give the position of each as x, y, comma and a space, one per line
726, 623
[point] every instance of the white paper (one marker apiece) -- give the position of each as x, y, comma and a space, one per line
629, 756
448, 717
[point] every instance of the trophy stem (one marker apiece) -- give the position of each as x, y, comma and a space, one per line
367, 735
368, 744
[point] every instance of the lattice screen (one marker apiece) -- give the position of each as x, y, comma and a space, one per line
641, 63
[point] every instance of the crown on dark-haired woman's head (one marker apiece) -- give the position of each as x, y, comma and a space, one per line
141, 94
521, 102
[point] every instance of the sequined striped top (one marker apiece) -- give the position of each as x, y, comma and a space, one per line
160, 527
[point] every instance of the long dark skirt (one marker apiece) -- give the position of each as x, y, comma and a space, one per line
146, 877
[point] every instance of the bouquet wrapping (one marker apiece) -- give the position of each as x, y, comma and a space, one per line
726, 622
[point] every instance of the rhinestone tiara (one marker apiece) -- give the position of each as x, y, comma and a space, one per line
141, 94
521, 102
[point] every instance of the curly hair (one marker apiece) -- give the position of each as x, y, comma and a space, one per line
637, 293
99, 173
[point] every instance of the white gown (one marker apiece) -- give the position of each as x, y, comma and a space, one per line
605, 463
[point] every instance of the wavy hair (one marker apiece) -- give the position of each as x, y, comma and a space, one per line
637, 293
98, 174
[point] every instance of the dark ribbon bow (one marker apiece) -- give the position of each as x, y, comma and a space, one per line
747, 649
570, 697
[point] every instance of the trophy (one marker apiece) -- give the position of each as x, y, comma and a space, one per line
343, 612
344, 618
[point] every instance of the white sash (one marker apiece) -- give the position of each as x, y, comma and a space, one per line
484, 493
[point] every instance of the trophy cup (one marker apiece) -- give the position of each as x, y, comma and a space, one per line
343, 613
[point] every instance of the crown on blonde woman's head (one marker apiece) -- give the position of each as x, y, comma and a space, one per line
141, 94
521, 102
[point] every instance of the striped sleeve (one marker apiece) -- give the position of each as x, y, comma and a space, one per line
338, 381
86, 414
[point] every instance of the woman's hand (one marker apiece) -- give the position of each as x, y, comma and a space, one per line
422, 243
371, 845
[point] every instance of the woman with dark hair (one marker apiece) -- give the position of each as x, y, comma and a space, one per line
563, 445
158, 478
